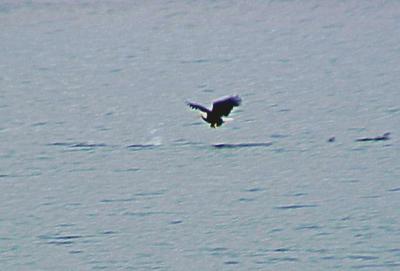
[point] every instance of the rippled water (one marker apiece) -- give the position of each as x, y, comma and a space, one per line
102, 165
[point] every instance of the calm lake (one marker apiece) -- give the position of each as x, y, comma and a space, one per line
104, 167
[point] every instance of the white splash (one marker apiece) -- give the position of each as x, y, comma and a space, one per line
155, 139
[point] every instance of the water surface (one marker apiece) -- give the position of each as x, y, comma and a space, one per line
102, 165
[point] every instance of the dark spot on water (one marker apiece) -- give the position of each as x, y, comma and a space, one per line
108, 232
281, 250
308, 227
60, 239
174, 222
141, 146
385, 136
346, 218
117, 200
296, 206
195, 61
78, 145
87, 145
276, 230
393, 110
255, 189
39, 124
397, 189
231, 262
59, 144
240, 145
75, 252
142, 214
67, 237
102, 128
298, 194
65, 225
332, 139
150, 194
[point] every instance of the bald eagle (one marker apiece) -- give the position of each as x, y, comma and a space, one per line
221, 108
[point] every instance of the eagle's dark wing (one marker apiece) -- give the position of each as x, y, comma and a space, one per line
198, 107
224, 106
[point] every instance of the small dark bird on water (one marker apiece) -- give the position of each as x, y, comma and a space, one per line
221, 108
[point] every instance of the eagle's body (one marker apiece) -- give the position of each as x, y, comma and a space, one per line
221, 108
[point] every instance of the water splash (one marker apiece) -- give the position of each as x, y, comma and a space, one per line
155, 138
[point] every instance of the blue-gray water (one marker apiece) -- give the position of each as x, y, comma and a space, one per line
103, 167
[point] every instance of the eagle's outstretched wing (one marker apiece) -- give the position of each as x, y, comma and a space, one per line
198, 107
223, 107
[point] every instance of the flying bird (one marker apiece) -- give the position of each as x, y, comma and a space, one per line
221, 108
